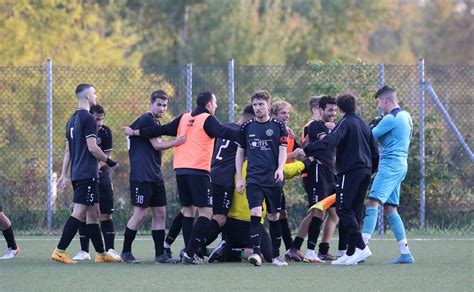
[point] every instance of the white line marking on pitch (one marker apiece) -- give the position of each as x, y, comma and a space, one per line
372, 239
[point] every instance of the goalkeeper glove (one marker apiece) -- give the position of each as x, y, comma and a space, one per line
375, 121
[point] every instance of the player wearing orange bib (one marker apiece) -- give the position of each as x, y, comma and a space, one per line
192, 163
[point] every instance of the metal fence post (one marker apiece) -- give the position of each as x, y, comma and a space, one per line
421, 95
380, 83
189, 87
231, 90
49, 130
448, 120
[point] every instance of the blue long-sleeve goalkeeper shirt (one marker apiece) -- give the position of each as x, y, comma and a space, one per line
394, 133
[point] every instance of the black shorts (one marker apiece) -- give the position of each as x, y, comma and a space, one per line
146, 194
238, 236
86, 191
283, 200
106, 199
272, 196
194, 190
221, 199
319, 184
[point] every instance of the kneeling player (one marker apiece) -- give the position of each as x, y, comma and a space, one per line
238, 244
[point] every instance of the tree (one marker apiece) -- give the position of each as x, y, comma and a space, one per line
71, 32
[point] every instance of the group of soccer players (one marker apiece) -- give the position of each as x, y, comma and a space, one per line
230, 179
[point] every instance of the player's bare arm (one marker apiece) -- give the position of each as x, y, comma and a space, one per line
279, 177
95, 150
161, 145
239, 161
63, 179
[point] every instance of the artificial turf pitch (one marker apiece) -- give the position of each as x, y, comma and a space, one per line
442, 263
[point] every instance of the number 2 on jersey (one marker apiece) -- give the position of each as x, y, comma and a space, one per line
223, 146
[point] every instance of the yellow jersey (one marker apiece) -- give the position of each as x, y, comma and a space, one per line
239, 208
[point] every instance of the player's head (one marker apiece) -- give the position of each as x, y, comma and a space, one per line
207, 100
327, 108
261, 103
281, 111
86, 92
98, 113
386, 98
247, 114
346, 103
313, 103
159, 103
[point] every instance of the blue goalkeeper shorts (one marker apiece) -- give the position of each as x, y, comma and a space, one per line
386, 186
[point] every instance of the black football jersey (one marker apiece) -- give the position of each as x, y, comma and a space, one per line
261, 142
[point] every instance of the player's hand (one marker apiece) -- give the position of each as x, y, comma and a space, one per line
300, 155
61, 184
279, 175
239, 186
304, 142
102, 166
180, 140
127, 131
115, 166
330, 125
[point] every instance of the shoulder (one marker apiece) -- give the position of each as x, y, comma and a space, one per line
246, 124
341, 124
85, 115
148, 118
106, 129
316, 124
404, 114
278, 123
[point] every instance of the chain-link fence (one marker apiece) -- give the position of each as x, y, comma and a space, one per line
124, 93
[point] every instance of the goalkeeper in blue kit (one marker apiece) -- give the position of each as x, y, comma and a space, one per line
393, 132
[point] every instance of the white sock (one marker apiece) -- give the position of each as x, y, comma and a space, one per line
341, 252
166, 245
404, 246
310, 253
366, 237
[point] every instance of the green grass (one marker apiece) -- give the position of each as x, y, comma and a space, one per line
441, 264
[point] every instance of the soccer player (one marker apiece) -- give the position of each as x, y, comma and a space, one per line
147, 188
222, 177
394, 133
13, 249
264, 139
280, 110
238, 243
106, 199
293, 253
192, 162
320, 183
356, 154
309, 183
82, 154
